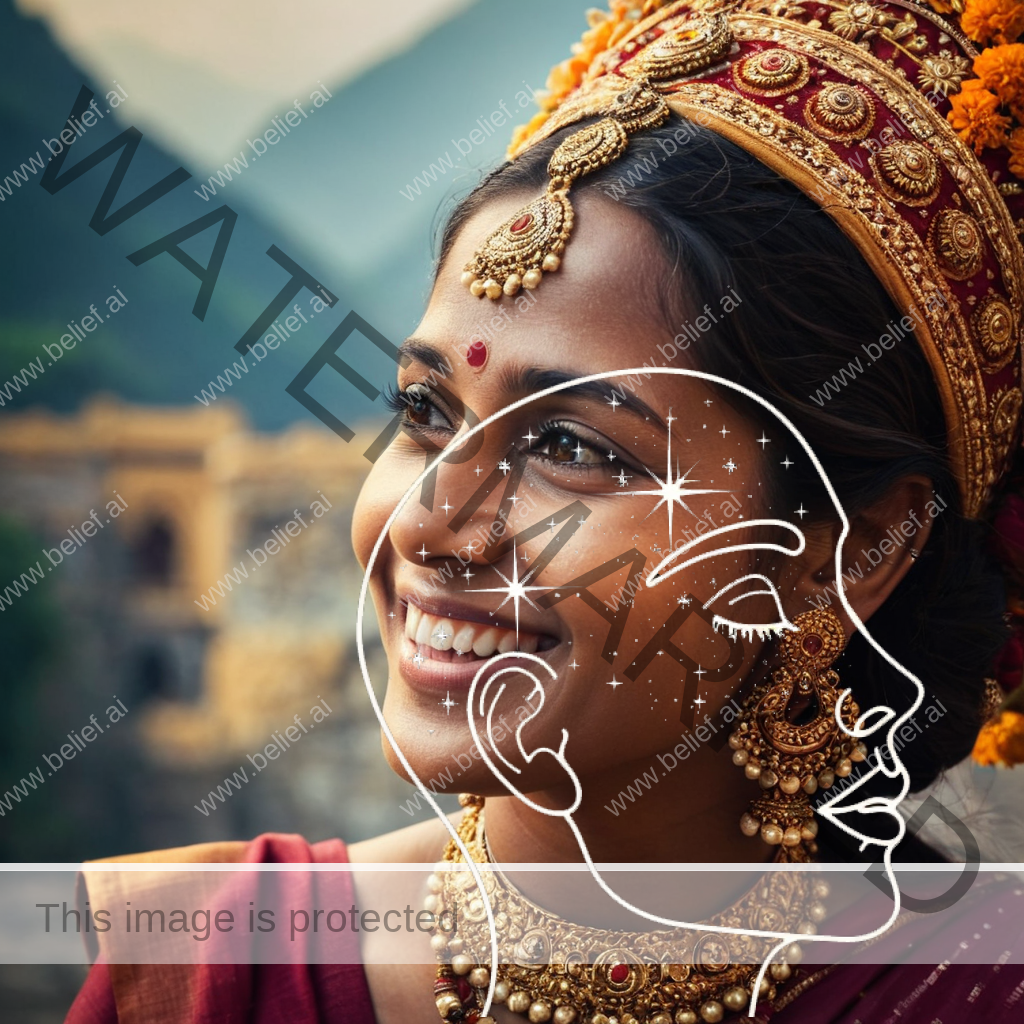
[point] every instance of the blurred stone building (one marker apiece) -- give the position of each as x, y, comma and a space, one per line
165, 607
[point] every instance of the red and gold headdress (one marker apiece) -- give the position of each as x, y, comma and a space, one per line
889, 114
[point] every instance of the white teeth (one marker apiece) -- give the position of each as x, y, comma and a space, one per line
412, 620
441, 637
463, 639
486, 643
443, 634
425, 628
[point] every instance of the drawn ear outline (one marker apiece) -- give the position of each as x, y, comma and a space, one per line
487, 712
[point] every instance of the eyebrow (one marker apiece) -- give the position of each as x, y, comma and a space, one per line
531, 379
521, 379
421, 351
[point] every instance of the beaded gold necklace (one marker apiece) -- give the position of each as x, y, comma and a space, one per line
553, 970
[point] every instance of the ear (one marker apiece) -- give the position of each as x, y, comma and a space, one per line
883, 543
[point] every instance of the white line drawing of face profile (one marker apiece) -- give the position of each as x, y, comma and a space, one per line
868, 723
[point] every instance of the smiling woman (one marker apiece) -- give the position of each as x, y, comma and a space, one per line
634, 545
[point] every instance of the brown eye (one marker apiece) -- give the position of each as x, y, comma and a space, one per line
561, 448
568, 449
421, 410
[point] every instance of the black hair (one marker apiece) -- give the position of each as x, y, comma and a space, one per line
809, 305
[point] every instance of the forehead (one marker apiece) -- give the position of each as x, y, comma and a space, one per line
604, 309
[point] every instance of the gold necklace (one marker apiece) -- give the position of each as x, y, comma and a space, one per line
553, 970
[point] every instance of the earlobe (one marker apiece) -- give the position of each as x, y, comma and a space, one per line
882, 546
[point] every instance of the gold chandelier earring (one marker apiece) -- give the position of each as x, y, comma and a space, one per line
787, 738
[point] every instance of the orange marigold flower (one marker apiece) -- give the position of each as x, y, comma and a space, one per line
524, 131
1016, 147
993, 21
976, 118
1001, 741
605, 29
1001, 69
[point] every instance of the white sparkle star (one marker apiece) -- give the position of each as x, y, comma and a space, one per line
469, 575
700, 672
515, 590
504, 466
730, 465
552, 524
611, 456
573, 664
423, 552
801, 511
762, 440
514, 498
579, 449
698, 701
684, 600
448, 703
785, 462
613, 401
672, 489
447, 508
707, 402
614, 682
529, 436
723, 431
478, 470
623, 478
418, 659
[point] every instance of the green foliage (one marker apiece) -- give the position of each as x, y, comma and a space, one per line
96, 364
29, 630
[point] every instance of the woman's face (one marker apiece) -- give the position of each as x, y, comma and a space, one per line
630, 677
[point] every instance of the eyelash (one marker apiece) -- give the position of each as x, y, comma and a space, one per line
763, 630
400, 401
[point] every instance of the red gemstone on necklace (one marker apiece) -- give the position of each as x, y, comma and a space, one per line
813, 644
619, 973
477, 355
522, 223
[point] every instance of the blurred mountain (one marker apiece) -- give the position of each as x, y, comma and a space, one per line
56, 266
344, 183
354, 195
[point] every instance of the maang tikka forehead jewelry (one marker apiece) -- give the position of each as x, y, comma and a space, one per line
532, 241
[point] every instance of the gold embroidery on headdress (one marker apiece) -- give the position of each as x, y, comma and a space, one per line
956, 240
881, 125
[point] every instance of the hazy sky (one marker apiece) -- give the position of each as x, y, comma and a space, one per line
203, 75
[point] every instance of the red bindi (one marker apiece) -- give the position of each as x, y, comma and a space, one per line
477, 355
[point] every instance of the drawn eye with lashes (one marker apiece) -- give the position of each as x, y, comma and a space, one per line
748, 630
763, 630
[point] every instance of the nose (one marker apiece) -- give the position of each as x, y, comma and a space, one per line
471, 504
